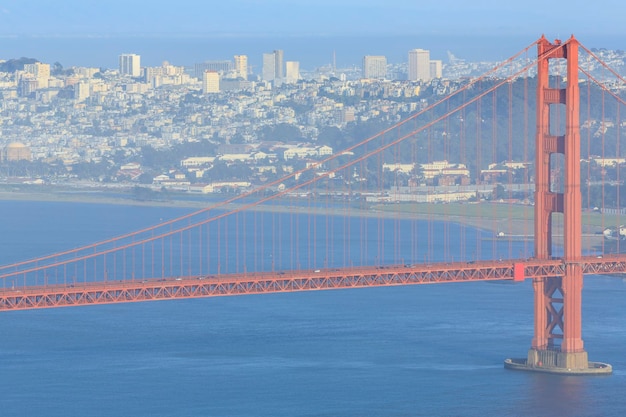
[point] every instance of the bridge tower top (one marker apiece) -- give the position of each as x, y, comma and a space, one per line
549, 142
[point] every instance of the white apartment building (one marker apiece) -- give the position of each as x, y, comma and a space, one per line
436, 68
210, 82
41, 72
130, 65
306, 151
197, 161
435, 168
241, 66
374, 66
292, 74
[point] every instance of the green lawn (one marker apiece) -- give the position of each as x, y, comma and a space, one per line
494, 211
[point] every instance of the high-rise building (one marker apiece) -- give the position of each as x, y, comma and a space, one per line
210, 82
222, 67
273, 66
436, 68
41, 72
419, 65
81, 91
130, 65
269, 65
278, 65
241, 66
292, 74
27, 85
374, 66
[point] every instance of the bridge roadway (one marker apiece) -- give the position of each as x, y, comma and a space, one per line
111, 291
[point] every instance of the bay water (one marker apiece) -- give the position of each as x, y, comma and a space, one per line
426, 350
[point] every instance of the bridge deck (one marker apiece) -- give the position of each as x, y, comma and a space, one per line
112, 291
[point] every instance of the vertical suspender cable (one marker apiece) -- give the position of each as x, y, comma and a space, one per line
494, 161
479, 150
510, 173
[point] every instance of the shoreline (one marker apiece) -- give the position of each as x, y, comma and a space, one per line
489, 216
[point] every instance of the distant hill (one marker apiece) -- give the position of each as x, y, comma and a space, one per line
13, 65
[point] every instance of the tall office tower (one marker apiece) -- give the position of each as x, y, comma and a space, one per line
436, 68
273, 66
269, 67
292, 75
130, 65
241, 66
210, 82
279, 71
41, 72
419, 65
374, 66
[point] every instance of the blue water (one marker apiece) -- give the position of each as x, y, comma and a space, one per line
431, 350
252, 241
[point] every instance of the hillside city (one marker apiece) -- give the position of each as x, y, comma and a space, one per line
218, 126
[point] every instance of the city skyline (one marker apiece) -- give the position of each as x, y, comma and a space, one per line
274, 68
311, 52
314, 32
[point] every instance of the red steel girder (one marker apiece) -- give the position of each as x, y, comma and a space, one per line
111, 292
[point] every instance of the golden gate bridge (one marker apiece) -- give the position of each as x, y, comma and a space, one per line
368, 216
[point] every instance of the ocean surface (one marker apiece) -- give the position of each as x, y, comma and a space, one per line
430, 350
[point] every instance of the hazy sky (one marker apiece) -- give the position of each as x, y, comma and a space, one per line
555, 18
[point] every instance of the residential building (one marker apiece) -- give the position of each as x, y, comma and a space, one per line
41, 73
210, 82
28, 84
608, 162
130, 64
307, 151
436, 68
241, 66
374, 66
197, 161
81, 91
292, 74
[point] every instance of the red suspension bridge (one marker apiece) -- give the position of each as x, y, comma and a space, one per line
446, 194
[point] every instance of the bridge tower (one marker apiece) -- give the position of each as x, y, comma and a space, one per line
557, 340
557, 345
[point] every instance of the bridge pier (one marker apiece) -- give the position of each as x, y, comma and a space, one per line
557, 345
556, 362
551, 359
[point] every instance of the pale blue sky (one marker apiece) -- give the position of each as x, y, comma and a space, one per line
306, 17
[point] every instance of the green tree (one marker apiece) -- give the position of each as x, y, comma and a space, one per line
332, 136
499, 192
13, 65
282, 132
